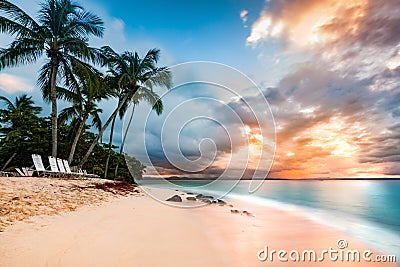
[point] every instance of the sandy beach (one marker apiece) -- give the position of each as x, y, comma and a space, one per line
132, 229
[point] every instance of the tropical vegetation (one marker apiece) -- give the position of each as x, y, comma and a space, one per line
72, 72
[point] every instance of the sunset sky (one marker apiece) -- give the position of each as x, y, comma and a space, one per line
330, 71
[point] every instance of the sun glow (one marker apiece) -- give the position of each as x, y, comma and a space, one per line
255, 140
335, 137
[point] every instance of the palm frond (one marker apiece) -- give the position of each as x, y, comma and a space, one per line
86, 22
15, 56
12, 27
67, 95
9, 104
159, 77
43, 81
96, 120
18, 15
67, 114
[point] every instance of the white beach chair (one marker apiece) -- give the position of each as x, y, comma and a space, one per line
27, 171
90, 174
66, 166
61, 167
40, 169
68, 169
20, 172
53, 166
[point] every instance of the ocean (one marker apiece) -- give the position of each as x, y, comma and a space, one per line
368, 210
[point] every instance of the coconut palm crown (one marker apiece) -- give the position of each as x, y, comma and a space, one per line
60, 33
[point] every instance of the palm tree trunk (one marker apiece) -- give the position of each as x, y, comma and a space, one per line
53, 80
124, 139
101, 132
110, 146
77, 136
9, 160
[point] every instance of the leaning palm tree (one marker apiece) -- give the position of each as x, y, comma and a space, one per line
142, 94
150, 97
92, 88
121, 113
15, 118
60, 33
130, 73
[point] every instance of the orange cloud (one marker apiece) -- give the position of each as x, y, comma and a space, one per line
308, 22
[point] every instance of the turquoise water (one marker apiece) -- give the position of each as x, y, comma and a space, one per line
367, 210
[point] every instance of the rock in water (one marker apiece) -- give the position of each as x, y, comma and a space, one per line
219, 201
191, 198
175, 198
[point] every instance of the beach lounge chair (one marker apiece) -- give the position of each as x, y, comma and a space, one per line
90, 175
39, 167
68, 169
6, 174
61, 167
54, 168
21, 173
27, 171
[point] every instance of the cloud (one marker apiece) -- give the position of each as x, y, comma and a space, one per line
357, 36
243, 15
11, 84
335, 110
305, 22
329, 123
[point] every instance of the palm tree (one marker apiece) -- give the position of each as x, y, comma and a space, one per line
150, 97
142, 94
60, 33
130, 73
121, 113
91, 89
16, 117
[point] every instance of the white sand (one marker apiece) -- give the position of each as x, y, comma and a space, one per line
135, 231
24, 197
139, 231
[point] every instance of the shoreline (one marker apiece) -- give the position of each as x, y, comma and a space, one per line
137, 230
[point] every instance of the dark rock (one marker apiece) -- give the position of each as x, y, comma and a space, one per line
235, 211
220, 201
199, 195
191, 198
247, 213
175, 198
205, 200
190, 193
